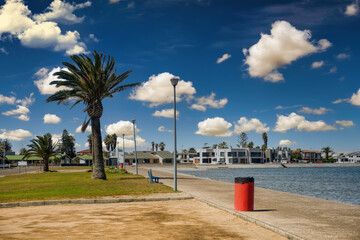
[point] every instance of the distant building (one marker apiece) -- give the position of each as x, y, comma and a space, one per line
308, 155
229, 156
87, 152
353, 157
152, 157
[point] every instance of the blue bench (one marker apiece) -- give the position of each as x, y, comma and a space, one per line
153, 179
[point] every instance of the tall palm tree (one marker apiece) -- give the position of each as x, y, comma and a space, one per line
43, 147
90, 81
89, 140
265, 139
327, 151
152, 146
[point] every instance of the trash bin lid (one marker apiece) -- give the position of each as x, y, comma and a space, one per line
244, 180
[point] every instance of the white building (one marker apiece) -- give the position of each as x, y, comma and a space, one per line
353, 157
229, 156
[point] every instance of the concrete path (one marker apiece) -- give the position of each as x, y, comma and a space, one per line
293, 216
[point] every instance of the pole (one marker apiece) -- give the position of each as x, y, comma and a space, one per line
175, 161
136, 161
124, 149
4, 156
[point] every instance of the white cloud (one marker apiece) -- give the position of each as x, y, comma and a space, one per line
45, 78
16, 20
224, 57
15, 135
198, 107
114, 1
120, 128
88, 129
355, 98
210, 101
286, 143
333, 70
163, 129
27, 101
342, 56
352, 9
293, 120
8, 100
77, 145
341, 100
345, 123
158, 90
4, 51
86, 144
23, 118
214, 127
167, 113
129, 143
92, 37
51, 118
254, 124
317, 64
20, 110
287, 107
284, 45
319, 111
62, 12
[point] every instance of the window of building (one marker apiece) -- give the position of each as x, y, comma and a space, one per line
256, 154
241, 154
235, 160
222, 154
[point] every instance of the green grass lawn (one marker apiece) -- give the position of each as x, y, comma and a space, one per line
55, 185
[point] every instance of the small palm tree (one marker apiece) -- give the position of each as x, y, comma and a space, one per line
90, 81
223, 145
162, 146
327, 151
89, 140
43, 147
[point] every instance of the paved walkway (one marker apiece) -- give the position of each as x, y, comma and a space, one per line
300, 216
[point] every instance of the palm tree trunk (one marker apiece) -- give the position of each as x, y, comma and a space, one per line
98, 160
46, 165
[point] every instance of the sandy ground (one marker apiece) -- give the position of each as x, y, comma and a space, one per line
183, 219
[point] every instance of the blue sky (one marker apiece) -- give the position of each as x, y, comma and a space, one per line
288, 68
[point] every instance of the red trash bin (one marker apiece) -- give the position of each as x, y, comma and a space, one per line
121, 165
244, 194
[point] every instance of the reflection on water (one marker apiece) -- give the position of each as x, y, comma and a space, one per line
340, 184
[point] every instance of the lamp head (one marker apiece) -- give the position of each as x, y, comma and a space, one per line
133, 121
174, 81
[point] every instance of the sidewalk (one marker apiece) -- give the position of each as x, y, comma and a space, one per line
294, 216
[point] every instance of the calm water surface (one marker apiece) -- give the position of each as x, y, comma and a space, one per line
340, 184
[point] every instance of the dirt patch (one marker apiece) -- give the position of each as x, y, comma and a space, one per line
180, 220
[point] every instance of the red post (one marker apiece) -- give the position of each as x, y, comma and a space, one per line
121, 165
244, 194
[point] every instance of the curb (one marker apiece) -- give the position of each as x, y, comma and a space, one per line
89, 201
262, 224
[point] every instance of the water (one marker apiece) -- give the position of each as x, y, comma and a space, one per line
340, 184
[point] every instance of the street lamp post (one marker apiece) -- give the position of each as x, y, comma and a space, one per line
4, 156
174, 81
136, 161
123, 150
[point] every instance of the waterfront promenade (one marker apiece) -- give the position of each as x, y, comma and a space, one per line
293, 216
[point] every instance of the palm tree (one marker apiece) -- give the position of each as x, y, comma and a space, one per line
157, 147
222, 145
90, 142
42, 146
90, 81
327, 151
110, 141
265, 138
250, 145
152, 146
162, 146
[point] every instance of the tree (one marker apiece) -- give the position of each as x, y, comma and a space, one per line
89, 140
265, 139
68, 144
192, 150
250, 145
90, 81
157, 147
110, 142
214, 146
242, 140
22, 151
162, 146
327, 151
152, 146
223, 145
43, 147
263, 148
258, 147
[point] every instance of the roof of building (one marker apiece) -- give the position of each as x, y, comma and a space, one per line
20, 157
141, 155
165, 154
305, 151
87, 157
88, 151
353, 154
